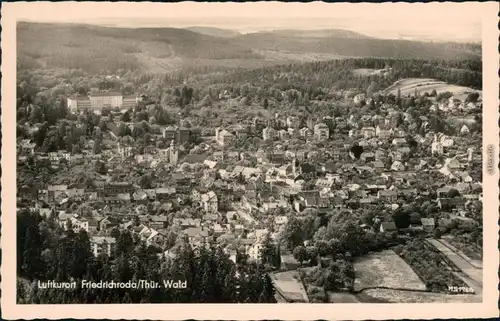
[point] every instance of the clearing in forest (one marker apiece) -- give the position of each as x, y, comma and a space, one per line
423, 85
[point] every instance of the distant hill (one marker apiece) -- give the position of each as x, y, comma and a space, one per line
98, 49
95, 48
214, 32
358, 47
322, 33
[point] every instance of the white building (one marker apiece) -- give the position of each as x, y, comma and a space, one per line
101, 244
223, 137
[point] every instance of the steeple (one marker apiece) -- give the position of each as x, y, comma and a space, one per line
173, 153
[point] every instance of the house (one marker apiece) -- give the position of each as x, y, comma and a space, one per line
140, 197
405, 151
399, 141
321, 132
306, 132
169, 133
368, 157
209, 202
388, 227
108, 223
451, 203
183, 135
53, 191
27, 148
268, 133
387, 195
254, 250
464, 130
77, 223
359, 99
113, 188
442, 192
368, 132
54, 159
185, 223
151, 236
383, 132
196, 236
428, 224
408, 192
397, 166
223, 137
233, 156
165, 193
378, 166
218, 156
101, 244
380, 155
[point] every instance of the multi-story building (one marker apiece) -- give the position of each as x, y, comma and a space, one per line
99, 100
223, 137
321, 131
268, 133
183, 135
96, 101
113, 188
179, 135
78, 103
102, 244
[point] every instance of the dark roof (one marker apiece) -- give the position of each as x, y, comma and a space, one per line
105, 94
389, 226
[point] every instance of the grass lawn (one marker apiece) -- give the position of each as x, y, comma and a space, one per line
385, 269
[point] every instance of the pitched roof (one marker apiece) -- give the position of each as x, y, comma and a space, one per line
389, 226
428, 221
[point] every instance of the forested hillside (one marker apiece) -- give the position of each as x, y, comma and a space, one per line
338, 73
96, 49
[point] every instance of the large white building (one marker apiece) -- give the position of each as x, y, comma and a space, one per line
96, 101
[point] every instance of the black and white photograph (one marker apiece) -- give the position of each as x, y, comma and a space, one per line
177, 154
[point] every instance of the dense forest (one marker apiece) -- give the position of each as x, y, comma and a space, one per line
338, 73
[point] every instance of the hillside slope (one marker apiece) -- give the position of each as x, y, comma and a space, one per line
98, 49
214, 32
95, 49
359, 47
320, 33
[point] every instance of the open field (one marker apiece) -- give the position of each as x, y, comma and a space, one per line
398, 296
423, 85
367, 72
289, 285
385, 269
282, 56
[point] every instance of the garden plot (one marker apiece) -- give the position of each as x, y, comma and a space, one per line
385, 270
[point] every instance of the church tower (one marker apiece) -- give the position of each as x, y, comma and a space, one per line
437, 146
295, 166
470, 152
173, 153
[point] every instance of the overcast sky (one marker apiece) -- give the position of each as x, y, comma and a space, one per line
431, 21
